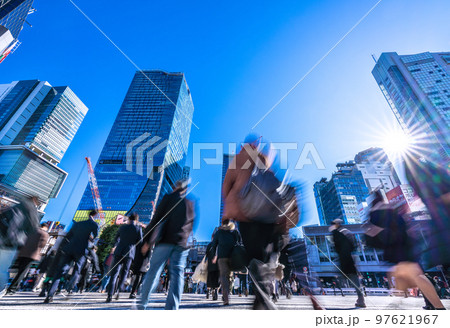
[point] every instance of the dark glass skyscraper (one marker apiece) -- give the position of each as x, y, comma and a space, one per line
145, 152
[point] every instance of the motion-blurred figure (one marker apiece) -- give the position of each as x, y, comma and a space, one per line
16, 224
139, 268
224, 240
388, 231
174, 218
344, 244
74, 251
212, 281
128, 236
431, 182
28, 253
260, 239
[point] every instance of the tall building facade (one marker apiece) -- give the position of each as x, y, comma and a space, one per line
417, 88
13, 14
145, 152
351, 184
227, 158
37, 124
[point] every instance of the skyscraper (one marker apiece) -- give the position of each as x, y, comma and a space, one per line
13, 14
145, 152
350, 185
417, 88
37, 125
227, 158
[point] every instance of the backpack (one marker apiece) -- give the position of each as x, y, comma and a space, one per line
260, 200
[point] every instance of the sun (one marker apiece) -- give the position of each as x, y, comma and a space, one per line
397, 142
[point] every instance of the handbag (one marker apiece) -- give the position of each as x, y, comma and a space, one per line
201, 272
238, 258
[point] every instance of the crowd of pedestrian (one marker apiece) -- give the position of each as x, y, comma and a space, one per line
247, 255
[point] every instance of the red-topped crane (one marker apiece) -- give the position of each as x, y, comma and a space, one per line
95, 193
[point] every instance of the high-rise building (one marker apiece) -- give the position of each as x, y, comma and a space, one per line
37, 124
13, 14
145, 152
227, 158
350, 185
417, 88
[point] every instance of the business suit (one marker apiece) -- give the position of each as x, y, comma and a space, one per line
74, 251
125, 250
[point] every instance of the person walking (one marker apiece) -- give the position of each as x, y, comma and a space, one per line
344, 244
175, 217
128, 236
222, 245
30, 252
74, 250
212, 280
139, 268
260, 237
16, 224
398, 247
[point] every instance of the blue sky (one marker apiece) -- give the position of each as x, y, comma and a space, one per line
239, 58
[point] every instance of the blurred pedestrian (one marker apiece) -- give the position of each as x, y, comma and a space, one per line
174, 216
260, 235
124, 250
388, 231
28, 253
74, 251
212, 280
139, 268
345, 245
16, 224
224, 240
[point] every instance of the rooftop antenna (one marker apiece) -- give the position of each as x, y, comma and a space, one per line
374, 59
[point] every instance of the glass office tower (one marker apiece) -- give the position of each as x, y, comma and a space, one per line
37, 124
13, 14
351, 184
417, 88
145, 152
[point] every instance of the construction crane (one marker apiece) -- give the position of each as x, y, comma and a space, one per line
95, 193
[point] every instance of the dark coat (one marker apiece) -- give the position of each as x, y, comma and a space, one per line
399, 246
17, 223
126, 238
210, 254
344, 244
431, 182
224, 241
34, 244
173, 221
140, 261
78, 237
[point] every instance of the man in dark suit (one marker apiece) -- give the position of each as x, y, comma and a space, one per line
78, 239
128, 236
